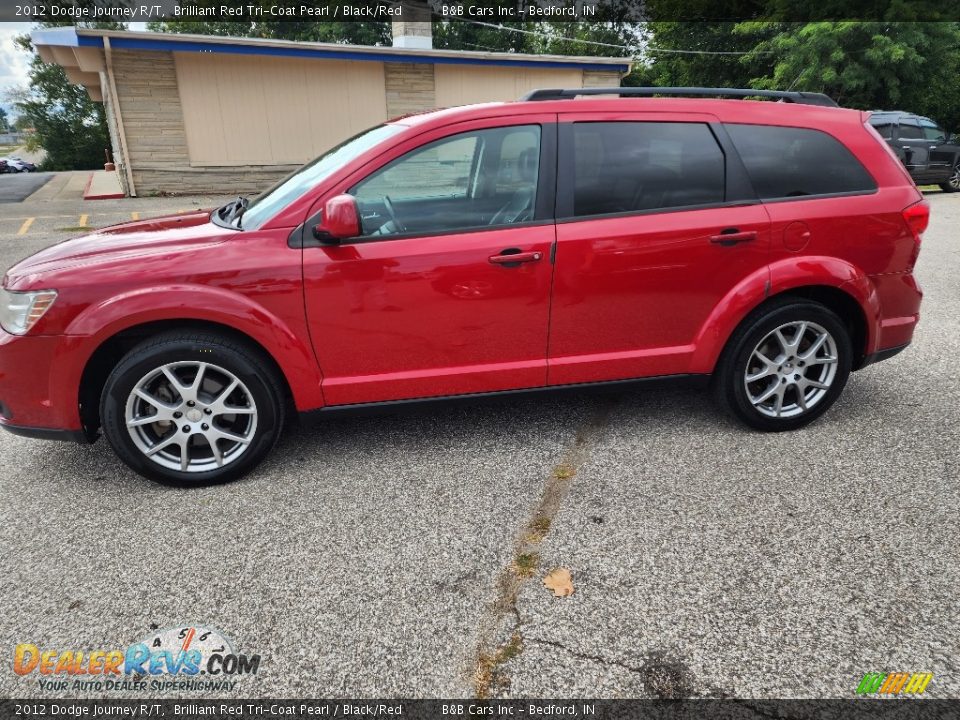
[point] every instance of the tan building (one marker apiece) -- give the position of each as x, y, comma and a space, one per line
194, 113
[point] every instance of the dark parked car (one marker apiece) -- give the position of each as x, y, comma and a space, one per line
930, 154
3, 167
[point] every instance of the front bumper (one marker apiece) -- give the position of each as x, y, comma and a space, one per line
78, 436
33, 400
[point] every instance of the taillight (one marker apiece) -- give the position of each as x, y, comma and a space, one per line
917, 217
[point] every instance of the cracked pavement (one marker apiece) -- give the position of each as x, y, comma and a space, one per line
366, 557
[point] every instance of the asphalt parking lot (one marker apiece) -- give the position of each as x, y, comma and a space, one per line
15, 187
385, 557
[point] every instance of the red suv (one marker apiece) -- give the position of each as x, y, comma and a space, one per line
540, 244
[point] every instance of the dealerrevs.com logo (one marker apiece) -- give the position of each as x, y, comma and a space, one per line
177, 659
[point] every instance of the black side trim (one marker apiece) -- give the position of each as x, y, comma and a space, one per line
389, 406
881, 355
78, 436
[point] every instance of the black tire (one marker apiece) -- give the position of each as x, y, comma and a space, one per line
953, 184
729, 377
247, 364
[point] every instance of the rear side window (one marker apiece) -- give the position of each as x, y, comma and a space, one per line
638, 166
787, 162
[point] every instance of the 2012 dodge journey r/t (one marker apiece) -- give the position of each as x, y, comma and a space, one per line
540, 244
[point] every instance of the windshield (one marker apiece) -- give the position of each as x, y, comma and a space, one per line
300, 181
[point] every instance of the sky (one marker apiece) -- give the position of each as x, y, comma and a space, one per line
14, 63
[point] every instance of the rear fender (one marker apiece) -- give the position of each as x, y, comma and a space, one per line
776, 279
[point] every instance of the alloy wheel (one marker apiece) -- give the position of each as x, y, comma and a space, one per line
954, 180
191, 416
791, 369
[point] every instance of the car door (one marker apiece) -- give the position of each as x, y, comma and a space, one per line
940, 153
447, 291
913, 148
656, 223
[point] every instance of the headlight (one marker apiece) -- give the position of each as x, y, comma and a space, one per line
19, 311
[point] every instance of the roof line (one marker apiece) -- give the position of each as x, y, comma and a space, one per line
74, 37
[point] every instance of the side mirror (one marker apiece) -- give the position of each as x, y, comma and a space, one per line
340, 219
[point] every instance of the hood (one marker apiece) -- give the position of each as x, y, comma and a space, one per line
119, 243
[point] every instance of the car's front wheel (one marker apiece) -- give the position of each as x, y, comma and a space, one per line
192, 408
953, 183
785, 365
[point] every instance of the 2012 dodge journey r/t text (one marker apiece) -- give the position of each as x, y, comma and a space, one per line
546, 243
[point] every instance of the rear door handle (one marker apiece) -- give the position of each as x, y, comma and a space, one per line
732, 236
513, 256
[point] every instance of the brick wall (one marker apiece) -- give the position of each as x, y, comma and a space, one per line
410, 88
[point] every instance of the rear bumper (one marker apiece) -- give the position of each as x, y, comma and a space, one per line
881, 355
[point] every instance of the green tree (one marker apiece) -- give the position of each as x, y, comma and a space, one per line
868, 65
4, 121
69, 126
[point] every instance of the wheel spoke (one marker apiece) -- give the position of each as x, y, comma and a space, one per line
218, 433
215, 449
814, 348
175, 382
778, 404
172, 439
159, 404
829, 360
766, 394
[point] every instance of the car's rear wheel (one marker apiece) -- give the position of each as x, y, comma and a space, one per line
953, 184
785, 365
192, 409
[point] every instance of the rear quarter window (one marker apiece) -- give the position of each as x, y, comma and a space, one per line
788, 162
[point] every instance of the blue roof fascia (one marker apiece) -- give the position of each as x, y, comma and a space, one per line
128, 43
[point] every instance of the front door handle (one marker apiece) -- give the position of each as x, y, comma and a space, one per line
514, 256
732, 236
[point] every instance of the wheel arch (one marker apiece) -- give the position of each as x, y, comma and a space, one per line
109, 352
836, 284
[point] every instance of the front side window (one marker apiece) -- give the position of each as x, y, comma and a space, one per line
642, 166
476, 179
910, 130
789, 162
932, 132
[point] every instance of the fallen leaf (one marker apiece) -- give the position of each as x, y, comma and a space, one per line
560, 582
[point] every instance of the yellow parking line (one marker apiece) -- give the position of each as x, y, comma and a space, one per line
26, 226
134, 216
83, 220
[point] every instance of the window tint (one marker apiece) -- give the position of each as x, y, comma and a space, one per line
788, 162
487, 177
633, 166
909, 130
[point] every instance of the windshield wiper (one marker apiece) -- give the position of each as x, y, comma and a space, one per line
233, 210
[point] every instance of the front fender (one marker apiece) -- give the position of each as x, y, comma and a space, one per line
775, 279
99, 322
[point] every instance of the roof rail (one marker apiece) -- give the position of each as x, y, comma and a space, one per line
804, 98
